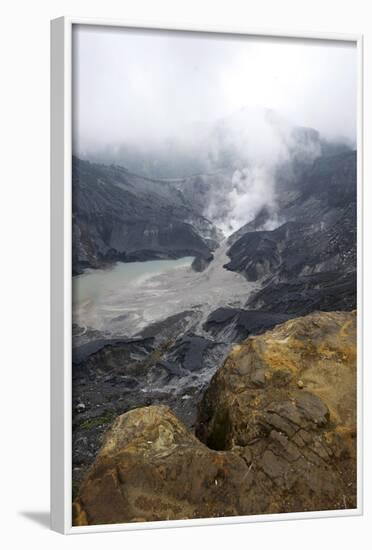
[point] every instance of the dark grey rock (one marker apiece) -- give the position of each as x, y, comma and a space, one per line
118, 216
242, 323
309, 262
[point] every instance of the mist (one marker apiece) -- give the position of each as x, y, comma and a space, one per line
173, 104
144, 86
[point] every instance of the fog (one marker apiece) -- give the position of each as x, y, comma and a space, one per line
174, 104
146, 86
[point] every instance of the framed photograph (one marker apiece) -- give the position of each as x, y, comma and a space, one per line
206, 275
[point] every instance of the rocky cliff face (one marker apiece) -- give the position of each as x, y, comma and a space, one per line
309, 261
120, 216
276, 432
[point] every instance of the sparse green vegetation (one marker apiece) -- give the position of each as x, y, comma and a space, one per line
106, 418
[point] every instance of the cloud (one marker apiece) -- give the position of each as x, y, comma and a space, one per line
145, 86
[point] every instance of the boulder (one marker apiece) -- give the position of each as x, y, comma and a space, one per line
287, 400
151, 467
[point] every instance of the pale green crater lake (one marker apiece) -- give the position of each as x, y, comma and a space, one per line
122, 300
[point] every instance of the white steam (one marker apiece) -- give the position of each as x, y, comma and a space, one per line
260, 142
252, 190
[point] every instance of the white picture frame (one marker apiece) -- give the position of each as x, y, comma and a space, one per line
61, 268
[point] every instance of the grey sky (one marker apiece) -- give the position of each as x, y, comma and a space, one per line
143, 86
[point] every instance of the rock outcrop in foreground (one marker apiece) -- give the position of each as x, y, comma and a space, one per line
276, 429
286, 401
151, 467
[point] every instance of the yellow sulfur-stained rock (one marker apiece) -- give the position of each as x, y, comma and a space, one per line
152, 468
289, 395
